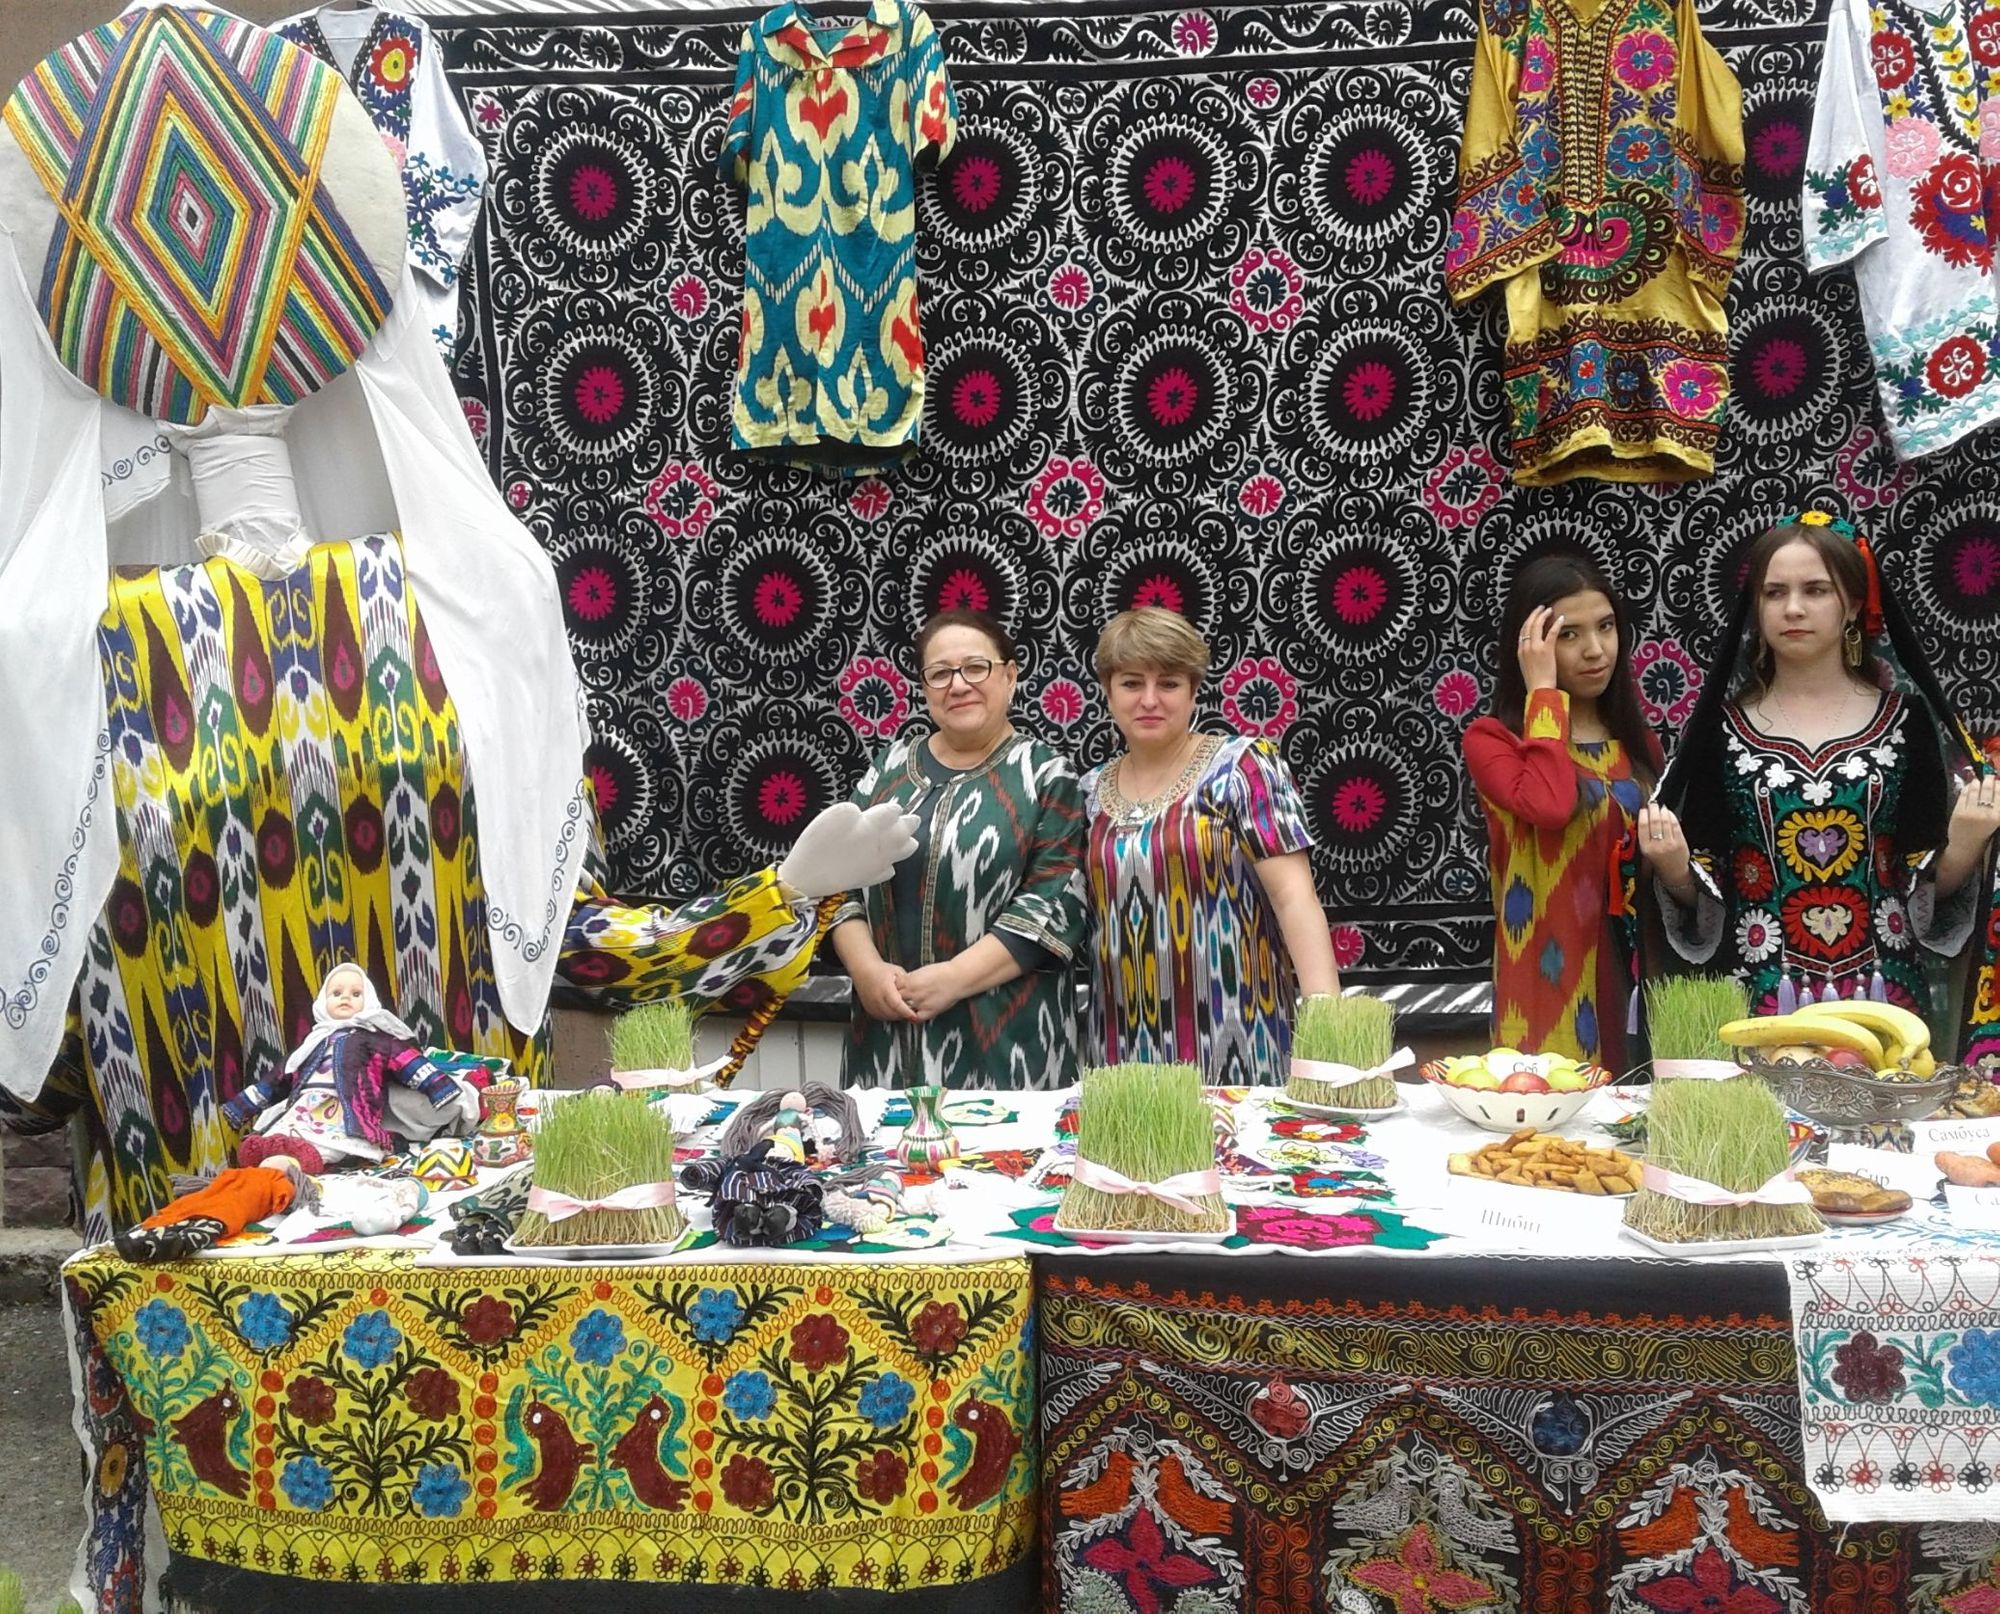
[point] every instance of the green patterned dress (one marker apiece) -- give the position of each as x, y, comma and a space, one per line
1002, 850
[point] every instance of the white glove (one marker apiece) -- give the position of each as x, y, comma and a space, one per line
844, 849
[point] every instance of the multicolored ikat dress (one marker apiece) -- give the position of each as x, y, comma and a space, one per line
1601, 182
291, 791
828, 123
1188, 964
1559, 819
1815, 872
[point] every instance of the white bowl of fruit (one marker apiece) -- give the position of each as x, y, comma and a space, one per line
1507, 1089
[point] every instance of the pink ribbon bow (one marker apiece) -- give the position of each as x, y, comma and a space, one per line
1783, 1189
561, 1207
1174, 1191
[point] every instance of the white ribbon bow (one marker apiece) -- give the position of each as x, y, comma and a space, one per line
1695, 1070
632, 1080
1783, 1189
1335, 1074
1174, 1191
561, 1207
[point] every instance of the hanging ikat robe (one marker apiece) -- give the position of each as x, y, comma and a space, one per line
1601, 183
826, 128
1895, 182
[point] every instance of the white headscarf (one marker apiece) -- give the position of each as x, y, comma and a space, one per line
371, 1016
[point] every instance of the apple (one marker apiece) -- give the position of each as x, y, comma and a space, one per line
1794, 1053
1568, 1077
1847, 1059
1525, 1081
1479, 1079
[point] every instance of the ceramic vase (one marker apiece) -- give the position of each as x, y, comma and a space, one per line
926, 1142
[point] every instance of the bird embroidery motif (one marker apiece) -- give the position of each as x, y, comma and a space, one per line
994, 1445
562, 1456
638, 1454
204, 1432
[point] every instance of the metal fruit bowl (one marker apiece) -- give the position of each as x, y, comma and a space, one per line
1834, 1096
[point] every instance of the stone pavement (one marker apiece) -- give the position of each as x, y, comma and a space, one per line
41, 1466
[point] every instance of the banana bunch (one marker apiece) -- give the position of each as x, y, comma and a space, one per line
1882, 1036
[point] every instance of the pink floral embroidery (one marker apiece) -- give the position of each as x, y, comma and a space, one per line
1463, 486
1194, 33
1909, 146
1538, 64
1062, 703
1691, 388
1262, 93
603, 788
681, 499
1669, 681
1261, 495
1267, 291
1260, 697
592, 594
1868, 472
781, 798
1643, 60
870, 499
1456, 693
874, 697
519, 494
688, 296
686, 699
1349, 945
1066, 497
475, 419
1303, 1230
1070, 286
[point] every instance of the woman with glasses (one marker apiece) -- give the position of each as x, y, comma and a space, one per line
1208, 928
960, 963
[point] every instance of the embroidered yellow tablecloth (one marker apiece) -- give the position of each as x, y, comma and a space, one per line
353, 1417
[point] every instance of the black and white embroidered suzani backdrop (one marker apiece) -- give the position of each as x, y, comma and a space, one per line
1189, 345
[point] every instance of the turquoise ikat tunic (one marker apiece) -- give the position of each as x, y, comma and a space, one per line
826, 129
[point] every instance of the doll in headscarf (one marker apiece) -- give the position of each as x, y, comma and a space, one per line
330, 1105
1825, 814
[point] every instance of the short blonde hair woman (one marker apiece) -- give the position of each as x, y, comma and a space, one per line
1207, 924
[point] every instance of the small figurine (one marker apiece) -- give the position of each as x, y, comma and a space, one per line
332, 1102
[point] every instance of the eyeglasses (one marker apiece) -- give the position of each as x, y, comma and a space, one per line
974, 670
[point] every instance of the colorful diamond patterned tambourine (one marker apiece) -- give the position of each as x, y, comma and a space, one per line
225, 226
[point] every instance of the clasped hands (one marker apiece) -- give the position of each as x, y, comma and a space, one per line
890, 992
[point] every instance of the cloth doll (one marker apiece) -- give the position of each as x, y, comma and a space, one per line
761, 1198
331, 1104
237, 1197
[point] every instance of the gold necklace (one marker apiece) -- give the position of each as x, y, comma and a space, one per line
1128, 811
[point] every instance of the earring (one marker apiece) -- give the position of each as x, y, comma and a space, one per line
1850, 642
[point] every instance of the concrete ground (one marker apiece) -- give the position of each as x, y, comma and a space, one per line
41, 1467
